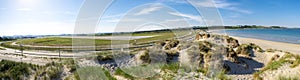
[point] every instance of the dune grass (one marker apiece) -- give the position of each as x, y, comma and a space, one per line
273, 65
94, 73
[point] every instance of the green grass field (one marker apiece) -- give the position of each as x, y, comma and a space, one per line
56, 41
100, 44
59, 41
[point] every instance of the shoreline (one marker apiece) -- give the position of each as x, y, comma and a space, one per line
267, 44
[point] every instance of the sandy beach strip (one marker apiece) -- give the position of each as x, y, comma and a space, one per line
265, 44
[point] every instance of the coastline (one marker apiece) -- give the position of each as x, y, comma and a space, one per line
266, 44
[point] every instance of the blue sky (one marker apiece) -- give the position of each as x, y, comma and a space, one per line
39, 17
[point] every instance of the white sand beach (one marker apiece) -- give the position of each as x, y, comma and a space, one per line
265, 44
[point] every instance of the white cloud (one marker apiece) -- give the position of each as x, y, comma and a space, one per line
222, 4
239, 10
149, 10
188, 16
24, 9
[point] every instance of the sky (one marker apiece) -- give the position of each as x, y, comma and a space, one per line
43, 17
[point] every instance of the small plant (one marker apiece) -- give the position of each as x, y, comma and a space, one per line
270, 50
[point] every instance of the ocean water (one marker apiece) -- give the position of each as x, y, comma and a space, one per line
279, 35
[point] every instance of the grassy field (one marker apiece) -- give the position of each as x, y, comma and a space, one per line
99, 43
56, 41
59, 41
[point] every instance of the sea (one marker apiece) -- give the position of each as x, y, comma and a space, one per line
278, 35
